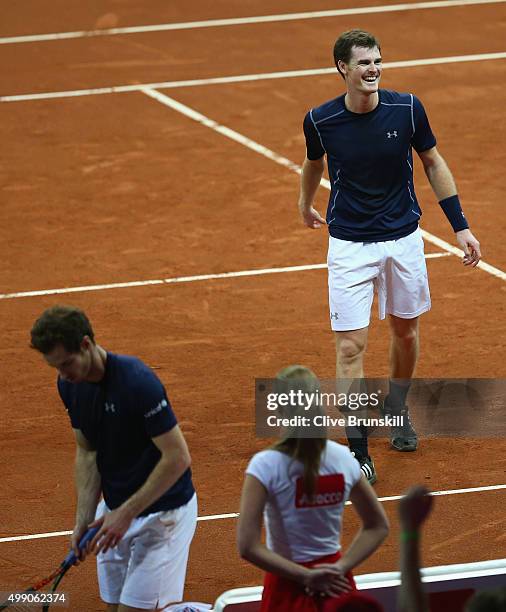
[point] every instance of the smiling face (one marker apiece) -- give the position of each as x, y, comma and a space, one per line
72, 367
363, 72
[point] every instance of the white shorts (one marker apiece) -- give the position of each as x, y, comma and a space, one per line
395, 268
147, 568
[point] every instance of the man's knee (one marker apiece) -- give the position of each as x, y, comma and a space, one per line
405, 330
350, 348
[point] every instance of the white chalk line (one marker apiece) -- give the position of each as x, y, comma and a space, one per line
283, 161
177, 279
285, 74
213, 23
217, 517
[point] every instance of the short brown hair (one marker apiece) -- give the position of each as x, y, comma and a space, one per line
350, 39
63, 325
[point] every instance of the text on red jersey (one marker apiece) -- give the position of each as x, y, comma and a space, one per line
329, 492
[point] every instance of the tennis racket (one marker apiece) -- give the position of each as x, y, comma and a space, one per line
33, 597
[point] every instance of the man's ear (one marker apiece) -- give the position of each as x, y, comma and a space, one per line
86, 343
342, 67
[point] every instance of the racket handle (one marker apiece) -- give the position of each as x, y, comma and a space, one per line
70, 559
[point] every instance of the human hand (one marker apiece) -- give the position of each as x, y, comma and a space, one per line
312, 218
415, 507
470, 246
327, 580
75, 538
113, 526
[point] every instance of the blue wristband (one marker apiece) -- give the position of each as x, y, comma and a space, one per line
453, 211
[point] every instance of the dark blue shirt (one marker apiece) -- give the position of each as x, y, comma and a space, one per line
119, 417
370, 164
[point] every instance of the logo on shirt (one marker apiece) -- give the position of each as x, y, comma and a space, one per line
334, 316
392, 134
329, 492
156, 409
109, 407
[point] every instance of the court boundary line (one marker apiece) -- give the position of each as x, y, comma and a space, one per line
192, 25
216, 517
283, 74
283, 161
178, 279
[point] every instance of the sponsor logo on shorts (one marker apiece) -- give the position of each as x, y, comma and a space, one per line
109, 407
334, 316
392, 134
329, 492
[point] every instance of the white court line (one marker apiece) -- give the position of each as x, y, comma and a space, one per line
430, 61
283, 161
213, 23
56, 534
177, 279
217, 517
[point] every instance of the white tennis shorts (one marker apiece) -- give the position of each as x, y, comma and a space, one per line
395, 268
147, 568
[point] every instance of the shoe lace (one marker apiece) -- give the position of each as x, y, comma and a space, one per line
406, 420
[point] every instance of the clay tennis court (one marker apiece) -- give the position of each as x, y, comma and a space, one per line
140, 183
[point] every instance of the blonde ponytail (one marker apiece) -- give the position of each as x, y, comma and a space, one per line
306, 450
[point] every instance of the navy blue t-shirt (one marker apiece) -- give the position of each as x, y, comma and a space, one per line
370, 164
119, 417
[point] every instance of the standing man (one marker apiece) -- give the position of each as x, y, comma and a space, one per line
367, 135
131, 450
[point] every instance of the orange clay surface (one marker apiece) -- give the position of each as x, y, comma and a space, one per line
114, 188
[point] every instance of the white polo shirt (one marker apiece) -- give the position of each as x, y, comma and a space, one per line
299, 527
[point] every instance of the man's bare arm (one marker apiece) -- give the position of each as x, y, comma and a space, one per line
438, 173
312, 172
443, 185
88, 486
174, 461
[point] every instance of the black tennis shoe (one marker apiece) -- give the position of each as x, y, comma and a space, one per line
403, 437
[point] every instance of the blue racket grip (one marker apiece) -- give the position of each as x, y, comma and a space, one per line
71, 558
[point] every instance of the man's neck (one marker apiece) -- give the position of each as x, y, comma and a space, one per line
98, 361
360, 103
